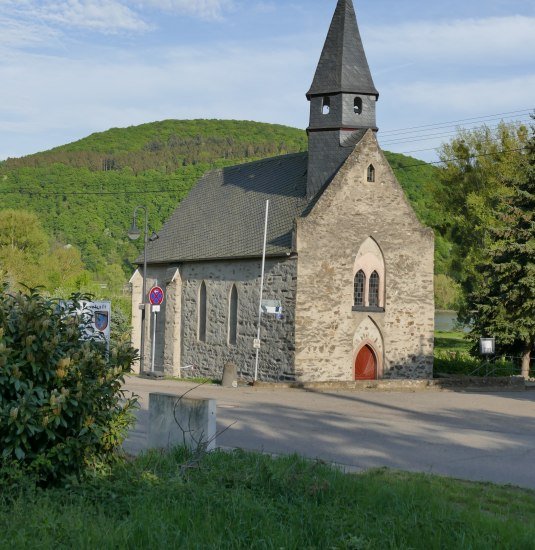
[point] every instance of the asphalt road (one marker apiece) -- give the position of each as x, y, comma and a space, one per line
476, 436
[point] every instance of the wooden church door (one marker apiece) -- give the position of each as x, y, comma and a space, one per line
366, 364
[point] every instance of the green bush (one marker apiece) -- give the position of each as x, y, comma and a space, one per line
61, 403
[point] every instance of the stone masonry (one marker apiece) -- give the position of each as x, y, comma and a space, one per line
328, 240
178, 349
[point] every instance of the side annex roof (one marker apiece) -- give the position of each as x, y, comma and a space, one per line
223, 215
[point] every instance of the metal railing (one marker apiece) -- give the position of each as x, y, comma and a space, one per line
504, 365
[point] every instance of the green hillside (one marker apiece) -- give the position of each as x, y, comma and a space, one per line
169, 145
84, 193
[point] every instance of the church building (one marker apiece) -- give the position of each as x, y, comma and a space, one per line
347, 259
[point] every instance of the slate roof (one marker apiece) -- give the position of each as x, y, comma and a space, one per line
223, 215
343, 66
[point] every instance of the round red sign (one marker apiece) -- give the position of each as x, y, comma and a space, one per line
156, 296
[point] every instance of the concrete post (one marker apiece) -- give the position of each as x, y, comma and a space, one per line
175, 421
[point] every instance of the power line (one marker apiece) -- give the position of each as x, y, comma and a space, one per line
469, 157
424, 128
493, 140
164, 191
480, 118
427, 137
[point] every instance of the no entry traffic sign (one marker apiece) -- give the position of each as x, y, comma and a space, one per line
156, 296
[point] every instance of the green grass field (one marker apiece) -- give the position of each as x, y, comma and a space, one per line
245, 500
451, 341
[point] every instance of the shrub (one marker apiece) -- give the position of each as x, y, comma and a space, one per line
61, 403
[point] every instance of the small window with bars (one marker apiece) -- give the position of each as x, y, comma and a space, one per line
373, 295
360, 284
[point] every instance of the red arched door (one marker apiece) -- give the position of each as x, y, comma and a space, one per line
366, 364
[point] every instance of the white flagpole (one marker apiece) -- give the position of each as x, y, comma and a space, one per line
261, 289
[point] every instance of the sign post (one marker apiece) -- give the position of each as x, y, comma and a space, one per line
257, 342
156, 297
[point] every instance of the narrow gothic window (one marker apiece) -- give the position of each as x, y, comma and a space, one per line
371, 173
358, 105
233, 317
374, 290
326, 105
360, 283
202, 313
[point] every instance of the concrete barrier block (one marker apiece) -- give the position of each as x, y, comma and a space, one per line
181, 422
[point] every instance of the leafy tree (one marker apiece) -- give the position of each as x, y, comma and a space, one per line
62, 267
23, 243
61, 404
447, 292
21, 230
502, 302
478, 165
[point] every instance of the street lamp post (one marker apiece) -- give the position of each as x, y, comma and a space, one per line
133, 234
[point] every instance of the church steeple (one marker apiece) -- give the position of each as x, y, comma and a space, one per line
342, 98
343, 66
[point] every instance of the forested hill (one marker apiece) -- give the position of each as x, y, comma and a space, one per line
170, 145
84, 193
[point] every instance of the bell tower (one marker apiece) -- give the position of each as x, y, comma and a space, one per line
342, 99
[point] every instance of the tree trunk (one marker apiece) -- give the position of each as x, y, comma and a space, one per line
526, 360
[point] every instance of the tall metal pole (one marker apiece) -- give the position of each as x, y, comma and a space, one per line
144, 311
261, 289
153, 352
134, 234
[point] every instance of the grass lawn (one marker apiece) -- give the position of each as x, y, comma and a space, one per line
246, 500
451, 341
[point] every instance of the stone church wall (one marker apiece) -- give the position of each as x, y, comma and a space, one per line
177, 342
277, 352
328, 330
168, 321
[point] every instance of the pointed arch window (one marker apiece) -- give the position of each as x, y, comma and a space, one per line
357, 105
326, 105
233, 317
202, 313
360, 286
371, 173
373, 293
369, 278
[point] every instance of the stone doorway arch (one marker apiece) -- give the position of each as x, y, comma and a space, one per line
368, 334
366, 364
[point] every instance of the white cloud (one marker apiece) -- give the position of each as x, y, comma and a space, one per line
15, 34
66, 97
206, 9
469, 41
27, 22
107, 16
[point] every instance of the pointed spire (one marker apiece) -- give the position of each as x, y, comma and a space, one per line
343, 66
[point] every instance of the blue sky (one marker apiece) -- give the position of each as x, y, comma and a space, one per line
72, 67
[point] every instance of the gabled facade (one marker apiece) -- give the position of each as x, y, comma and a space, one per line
346, 257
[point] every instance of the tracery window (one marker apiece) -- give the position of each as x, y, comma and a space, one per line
373, 294
360, 285
369, 277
